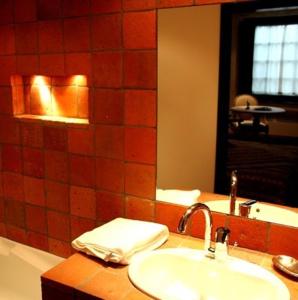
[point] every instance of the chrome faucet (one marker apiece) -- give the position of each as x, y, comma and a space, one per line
209, 248
233, 192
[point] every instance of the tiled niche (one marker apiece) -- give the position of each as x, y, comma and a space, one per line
53, 98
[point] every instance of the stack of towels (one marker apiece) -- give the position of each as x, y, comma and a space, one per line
118, 240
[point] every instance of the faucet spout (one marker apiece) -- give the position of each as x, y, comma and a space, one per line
233, 192
208, 224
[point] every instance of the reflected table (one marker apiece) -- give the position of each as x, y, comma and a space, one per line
257, 112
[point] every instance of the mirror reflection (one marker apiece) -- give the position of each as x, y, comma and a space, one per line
224, 107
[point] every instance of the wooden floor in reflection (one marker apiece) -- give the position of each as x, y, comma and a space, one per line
267, 169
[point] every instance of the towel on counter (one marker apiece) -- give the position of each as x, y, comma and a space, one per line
182, 197
118, 240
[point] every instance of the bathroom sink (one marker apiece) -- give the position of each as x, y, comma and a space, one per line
259, 211
183, 273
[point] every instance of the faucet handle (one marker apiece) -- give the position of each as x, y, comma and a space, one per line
222, 234
244, 208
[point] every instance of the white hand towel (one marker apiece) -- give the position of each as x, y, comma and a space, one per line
178, 196
118, 240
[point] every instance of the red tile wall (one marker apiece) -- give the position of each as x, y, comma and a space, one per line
58, 180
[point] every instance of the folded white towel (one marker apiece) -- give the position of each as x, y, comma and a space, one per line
118, 240
178, 196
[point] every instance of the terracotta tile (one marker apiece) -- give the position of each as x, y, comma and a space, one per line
71, 8
140, 145
49, 9
8, 67
55, 138
2, 209
83, 102
56, 165
135, 294
140, 180
9, 131
58, 225
13, 186
33, 162
109, 141
36, 219
137, 5
138, 208
80, 226
15, 213
140, 69
6, 107
17, 95
52, 64
66, 100
139, 30
6, 12
73, 271
105, 6
202, 2
174, 3
63, 81
168, 214
110, 174
16, 79
248, 233
59, 248
7, 42
82, 170
34, 190
57, 195
11, 158
84, 296
32, 135
1, 182
81, 141
140, 107
107, 69
16, 234
26, 38
108, 106
198, 224
27, 64
24, 11
78, 63
106, 31
50, 34
112, 289
109, 206
283, 240
3, 230
40, 103
82, 202
76, 34
37, 240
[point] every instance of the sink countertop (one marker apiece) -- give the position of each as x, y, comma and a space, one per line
82, 277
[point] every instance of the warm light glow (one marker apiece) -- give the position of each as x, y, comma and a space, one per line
39, 80
80, 80
55, 98
44, 92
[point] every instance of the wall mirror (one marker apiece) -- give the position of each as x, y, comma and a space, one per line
198, 79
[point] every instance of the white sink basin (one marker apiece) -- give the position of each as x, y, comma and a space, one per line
259, 211
182, 273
